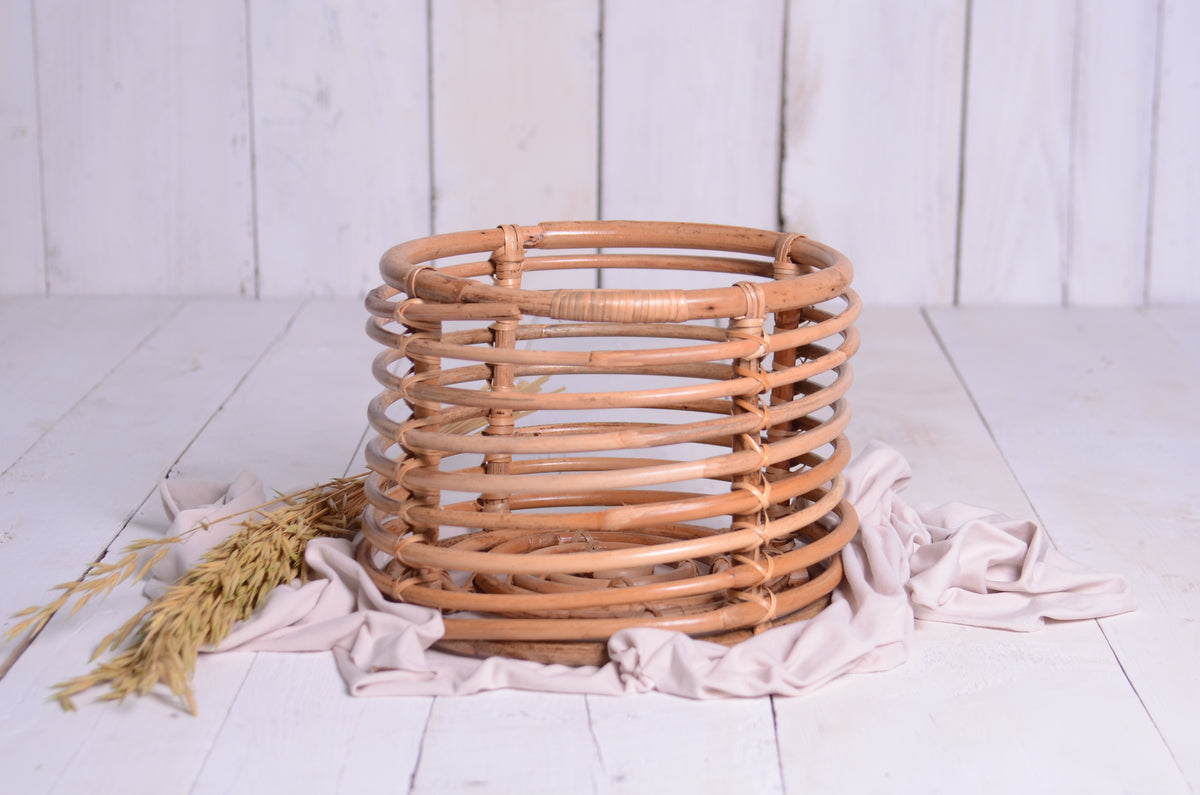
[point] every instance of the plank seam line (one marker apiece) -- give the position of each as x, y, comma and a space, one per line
600, 45
224, 722
587, 706
962, 156
778, 748
252, 143
429, 119
346, 752
41, 155
412, 779
599, 121
100, 381
70, 760
287, 327
362, 440
1120, 664
1008, 465
22, 646
983, 418
781, 153
1152, 188
1068, 261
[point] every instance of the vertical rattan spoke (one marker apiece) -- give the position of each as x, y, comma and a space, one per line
675, 475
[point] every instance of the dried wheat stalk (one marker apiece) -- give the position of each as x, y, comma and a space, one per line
227, 585
229, 582
99, 581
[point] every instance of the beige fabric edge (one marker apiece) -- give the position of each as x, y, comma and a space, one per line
954, 563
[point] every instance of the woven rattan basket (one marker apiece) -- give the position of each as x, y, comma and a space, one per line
680, 468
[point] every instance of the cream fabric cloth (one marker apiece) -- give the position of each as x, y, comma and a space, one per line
954, 563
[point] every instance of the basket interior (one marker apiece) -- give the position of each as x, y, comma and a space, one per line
554, 467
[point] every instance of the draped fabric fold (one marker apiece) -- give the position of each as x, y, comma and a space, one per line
954, 563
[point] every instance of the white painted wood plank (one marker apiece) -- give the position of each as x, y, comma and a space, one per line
296, 420
150, 747
972, 709
977, 710
388, 729
1181, 325
57, 349
74, 491
145, 146
341, 139
521, 741
293, 728
1175, 236
1098, 421
325, 363
690, 118
905, 395
95, 465
1111, 152
730, 744
1013, 236
515, 107
872, 127
508, 741
21, 250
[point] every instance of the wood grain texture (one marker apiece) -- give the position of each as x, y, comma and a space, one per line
734, 738
515, 115
1111, 152
926, 416
270, 742
98, 470
320, 357
297, 418
39, 389
166, 389
145, 146
1013, 234
341, 138
1056, 700
507, 741
872, 126
1175, 236
21, 250
973, 709
317, 357
691, 117
1073, 421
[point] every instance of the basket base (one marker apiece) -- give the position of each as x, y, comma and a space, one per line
594, 652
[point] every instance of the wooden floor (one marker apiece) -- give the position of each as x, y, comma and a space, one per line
1087, 419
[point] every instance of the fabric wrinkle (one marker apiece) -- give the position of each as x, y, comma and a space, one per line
951, 563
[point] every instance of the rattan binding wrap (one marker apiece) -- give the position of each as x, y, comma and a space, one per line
702, 493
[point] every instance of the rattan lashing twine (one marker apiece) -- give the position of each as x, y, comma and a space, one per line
569, 536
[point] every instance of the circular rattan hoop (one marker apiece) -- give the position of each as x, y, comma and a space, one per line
679, 469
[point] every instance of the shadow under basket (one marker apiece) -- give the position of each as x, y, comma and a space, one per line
555, 465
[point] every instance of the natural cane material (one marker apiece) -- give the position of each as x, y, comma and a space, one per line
699, 489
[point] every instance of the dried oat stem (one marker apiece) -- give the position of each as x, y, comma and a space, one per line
99, 580
229, 582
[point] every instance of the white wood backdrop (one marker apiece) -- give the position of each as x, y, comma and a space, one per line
341, 139
959, 151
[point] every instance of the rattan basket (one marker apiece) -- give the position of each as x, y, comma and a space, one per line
680, 469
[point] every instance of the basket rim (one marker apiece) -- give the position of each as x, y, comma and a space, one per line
822, 272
